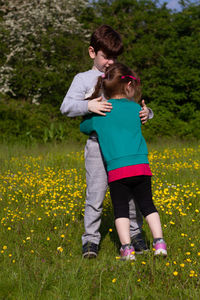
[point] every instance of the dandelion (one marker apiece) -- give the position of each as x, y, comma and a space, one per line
182, 265
114, 280
48, 238
110, 230
60, 249
9, 228
175, 273
143, 263
138, 280
167, 264
62, 236
5, 247
13, 261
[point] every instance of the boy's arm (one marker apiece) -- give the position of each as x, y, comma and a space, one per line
87, 125
74, 104
146, 113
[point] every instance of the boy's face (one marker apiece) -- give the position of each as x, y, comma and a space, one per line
100, 59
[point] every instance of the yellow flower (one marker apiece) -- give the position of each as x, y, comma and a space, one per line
198, 253
5, 247
182, 265
62, 236
167, 264
13, 261
9, 228
139, 280
60, 249
48, 238
187, 253
143, 263
114, 280
192, 245
110, 229
175, 273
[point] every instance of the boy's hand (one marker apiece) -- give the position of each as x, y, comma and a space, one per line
144, 113
98, 106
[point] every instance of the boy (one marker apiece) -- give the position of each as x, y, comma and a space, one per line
105, 46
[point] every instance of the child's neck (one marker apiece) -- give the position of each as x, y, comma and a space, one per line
119, 96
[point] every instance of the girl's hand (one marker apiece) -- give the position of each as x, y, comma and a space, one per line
98, 106
144, 113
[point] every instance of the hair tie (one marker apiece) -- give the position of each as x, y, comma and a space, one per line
103, 76
137, 79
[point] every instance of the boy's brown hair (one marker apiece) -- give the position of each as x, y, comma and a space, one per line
106, 39
115, 80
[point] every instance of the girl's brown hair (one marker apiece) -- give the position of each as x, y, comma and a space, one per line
115, 80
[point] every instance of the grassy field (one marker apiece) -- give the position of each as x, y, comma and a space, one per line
42, 206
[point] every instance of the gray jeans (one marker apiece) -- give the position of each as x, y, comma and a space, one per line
97, 183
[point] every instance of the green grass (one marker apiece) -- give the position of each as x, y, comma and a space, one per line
42, 191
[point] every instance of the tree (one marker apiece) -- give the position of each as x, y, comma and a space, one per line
29, 29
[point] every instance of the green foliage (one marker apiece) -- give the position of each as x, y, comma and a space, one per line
28, 123
160, 44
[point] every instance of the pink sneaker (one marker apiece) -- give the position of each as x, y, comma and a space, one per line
128, 253
160, 248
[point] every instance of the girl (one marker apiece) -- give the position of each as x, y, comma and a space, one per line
125, 153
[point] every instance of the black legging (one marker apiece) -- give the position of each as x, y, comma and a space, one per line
137, 187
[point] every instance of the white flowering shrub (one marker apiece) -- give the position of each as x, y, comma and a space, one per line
31, 32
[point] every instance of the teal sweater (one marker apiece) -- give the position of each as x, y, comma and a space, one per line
119, 134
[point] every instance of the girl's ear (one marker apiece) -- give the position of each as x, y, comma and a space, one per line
129, 86
129, 89
92, 53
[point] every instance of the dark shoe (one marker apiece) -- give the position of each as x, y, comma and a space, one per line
90, 250
139, 244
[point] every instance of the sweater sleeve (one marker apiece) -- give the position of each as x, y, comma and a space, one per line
87, 126
74, 104
151, 114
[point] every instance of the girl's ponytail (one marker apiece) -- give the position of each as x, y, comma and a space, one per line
98, 89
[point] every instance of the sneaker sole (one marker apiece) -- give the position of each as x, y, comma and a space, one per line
128, 257
160, 252
90, 254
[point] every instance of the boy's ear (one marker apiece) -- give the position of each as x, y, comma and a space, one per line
91, 51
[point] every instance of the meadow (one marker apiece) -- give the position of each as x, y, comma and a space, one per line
42, 192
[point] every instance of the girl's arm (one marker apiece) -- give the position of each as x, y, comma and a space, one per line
87, 125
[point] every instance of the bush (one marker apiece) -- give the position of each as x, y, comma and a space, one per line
29, 123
